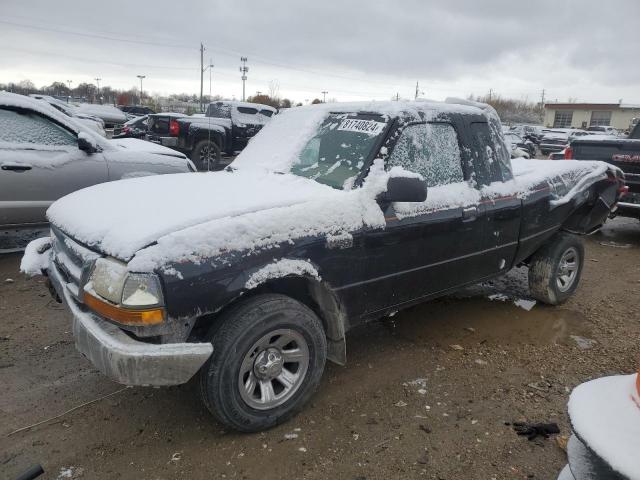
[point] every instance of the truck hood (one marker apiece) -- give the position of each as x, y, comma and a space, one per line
120, 218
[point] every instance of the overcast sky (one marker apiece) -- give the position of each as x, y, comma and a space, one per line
354, 49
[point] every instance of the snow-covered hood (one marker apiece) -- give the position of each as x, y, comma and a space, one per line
136, 145
121, 218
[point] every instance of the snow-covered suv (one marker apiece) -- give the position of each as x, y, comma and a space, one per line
45, 154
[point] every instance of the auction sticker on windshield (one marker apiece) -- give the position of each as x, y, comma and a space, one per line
362, 126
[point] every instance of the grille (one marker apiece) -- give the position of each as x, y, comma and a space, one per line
72, 261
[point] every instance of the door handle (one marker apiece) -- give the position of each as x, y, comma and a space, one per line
469, 214
16, 167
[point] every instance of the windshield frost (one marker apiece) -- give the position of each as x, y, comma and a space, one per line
340, 148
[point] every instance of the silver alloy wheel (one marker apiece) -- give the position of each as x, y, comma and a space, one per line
568, 269
207, 156
273, 369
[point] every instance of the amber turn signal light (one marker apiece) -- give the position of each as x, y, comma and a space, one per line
127, 317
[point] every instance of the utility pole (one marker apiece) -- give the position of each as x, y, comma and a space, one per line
243, 69
69, 83
98, 84
490, 93
417, 90
210, 67
201, 72
542, 99
324, 96
397, 96
141, 77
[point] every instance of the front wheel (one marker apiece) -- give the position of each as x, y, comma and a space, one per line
268, 357
206, 155
555, 269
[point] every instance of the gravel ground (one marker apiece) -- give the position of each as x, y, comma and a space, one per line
426, 394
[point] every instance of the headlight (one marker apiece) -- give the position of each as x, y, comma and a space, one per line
141, 290
131, 298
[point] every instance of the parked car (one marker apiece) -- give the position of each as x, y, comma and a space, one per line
90, 121
134, 128
554, 141
334, 215
528, 132
110, 115
605, 418
136, 110
226, 127
603, 129
520, 147
44, 155
624, 153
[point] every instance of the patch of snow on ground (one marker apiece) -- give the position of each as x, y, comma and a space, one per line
34, 262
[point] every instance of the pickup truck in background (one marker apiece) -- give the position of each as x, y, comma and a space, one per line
624, 153
335, 215
226, 127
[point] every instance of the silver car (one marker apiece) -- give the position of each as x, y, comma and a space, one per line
45, 155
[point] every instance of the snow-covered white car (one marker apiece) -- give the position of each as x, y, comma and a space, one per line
45, 154
334, 215
605, 418
91, 121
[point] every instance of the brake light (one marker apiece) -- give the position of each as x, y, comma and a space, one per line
126, 129
568, 153
174, 128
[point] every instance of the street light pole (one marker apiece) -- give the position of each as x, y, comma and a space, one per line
243, 69
98, 84
141, 77
68, 96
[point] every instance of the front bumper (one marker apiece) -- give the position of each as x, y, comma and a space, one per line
123, 358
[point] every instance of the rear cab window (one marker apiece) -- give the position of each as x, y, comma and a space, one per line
491, 162
430, 149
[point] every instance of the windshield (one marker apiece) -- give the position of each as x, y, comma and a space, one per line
339, 150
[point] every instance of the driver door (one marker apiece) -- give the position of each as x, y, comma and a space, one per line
39, 163
432, 246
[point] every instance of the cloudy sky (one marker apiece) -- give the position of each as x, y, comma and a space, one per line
354, 49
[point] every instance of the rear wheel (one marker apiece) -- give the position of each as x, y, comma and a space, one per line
268, 357
555, 269
206, 155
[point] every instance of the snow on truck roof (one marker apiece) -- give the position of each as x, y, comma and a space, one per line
284, 137
235, 103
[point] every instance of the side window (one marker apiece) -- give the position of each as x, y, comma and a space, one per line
248, 110
491, 159
30, 127
266, 112
430, 149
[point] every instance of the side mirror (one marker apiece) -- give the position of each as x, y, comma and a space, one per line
86, 145
405, 189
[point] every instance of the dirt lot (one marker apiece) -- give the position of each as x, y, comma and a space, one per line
426, 395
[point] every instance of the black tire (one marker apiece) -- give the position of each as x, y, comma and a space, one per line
548, 279
199, 155
235, 337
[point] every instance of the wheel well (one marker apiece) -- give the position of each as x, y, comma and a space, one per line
216, 137
315, 295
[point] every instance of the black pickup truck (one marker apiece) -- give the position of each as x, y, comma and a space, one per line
226, 127
624, 153
334, 215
